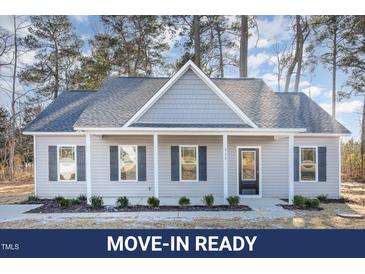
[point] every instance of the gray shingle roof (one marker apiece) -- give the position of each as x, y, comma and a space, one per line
62, 113
169, 125
120, 98
310, 114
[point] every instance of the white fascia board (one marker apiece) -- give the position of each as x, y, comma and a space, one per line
190, 64
335, 135
37, 133
192, 131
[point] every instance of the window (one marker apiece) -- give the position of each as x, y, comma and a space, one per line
188, 163
128, 163
67, 163
248, 165
308, 164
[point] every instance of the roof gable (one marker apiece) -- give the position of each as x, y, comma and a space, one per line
190, 101
192, 70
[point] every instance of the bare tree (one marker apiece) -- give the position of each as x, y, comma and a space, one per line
302, 32
9, 85
282, 55
13, 111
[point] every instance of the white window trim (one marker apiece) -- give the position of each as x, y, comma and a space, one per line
58, 164
120, 167
197, 164
254, 152
300, 164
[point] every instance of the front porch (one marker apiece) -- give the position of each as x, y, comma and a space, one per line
223, 152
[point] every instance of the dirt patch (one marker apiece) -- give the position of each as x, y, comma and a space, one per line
293, 207
19, 190
51, 206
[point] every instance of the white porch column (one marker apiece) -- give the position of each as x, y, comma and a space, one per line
88, 167
291, 168
155, 164
225, 167
35, 165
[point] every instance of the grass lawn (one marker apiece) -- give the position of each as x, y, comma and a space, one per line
354, 192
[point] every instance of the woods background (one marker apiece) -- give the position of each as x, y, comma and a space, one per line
137, 46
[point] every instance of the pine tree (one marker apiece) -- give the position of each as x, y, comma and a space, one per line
330, 32
56, 44
136, 43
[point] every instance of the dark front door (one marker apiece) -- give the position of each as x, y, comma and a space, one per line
248, 171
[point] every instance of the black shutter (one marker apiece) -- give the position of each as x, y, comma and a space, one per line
52, 163
141, 163
81, 165
322, 164
202, 163
114, 163
175, 164
296, 164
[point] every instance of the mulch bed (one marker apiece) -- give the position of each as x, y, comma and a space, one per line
51, 206
293, 207
328, 201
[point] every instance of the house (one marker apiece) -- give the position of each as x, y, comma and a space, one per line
187, 135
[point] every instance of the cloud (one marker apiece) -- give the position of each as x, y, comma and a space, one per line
343, 107
256, 60
271, 30
313, 91
6, 22
271, 80
80, 18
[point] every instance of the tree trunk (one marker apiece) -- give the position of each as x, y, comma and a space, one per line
289, 74
221, 65
243, 45
334, 68
295, 59
300, 44
56, 74
196, 31
363, 142
13, 111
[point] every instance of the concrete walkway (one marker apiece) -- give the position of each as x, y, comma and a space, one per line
262, 209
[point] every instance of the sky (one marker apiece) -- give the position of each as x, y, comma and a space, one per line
273, 31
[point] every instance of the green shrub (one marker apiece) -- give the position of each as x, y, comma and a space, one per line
299, 201
322, 197
233, 201
58, 199
64, 203
184, 201
208, 200
312, 203
33, 199
97, 202
75, 201
153, 202
122, 202
81, 198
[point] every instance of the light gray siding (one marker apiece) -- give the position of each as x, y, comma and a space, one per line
274, 167
190, 100
214, 183
331, 186
100, 167
274, 161
50, 189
